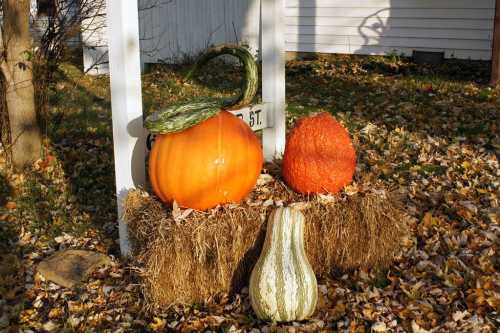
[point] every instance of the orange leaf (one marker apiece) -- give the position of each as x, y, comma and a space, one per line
11, 205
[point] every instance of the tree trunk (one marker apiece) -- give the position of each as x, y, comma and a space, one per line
20, 95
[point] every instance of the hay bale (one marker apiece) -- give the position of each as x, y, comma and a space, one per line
196, 255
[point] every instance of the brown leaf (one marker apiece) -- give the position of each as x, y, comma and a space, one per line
11, 205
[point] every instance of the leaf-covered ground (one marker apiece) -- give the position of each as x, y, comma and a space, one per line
429, 132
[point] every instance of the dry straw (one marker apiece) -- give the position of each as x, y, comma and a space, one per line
196, 255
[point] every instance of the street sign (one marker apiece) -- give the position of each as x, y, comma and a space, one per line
255, 116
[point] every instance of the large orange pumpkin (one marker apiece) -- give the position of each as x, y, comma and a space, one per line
214, 162
319, 156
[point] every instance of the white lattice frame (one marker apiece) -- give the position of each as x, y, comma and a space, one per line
126, 96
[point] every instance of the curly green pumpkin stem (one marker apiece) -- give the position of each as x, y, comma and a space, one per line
251, 73
179, 117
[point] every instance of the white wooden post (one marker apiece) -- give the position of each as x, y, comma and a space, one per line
126, 102
273, 76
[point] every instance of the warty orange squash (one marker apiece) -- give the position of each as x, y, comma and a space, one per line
319, 156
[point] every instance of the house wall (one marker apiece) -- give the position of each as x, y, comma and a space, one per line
173, 29
95, 42
460, 28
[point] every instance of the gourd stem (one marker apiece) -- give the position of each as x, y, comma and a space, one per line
250, 79
178, 117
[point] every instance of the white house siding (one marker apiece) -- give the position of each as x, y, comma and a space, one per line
173, 29
460, 28
95, 42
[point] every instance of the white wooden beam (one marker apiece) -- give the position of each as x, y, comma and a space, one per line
126, 102
273, 76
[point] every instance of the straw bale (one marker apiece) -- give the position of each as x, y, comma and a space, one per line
190, 256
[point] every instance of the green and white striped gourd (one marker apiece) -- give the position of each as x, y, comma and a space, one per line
180, 116
282, 284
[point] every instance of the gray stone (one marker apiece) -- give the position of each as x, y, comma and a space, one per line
4, 321
70, 267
